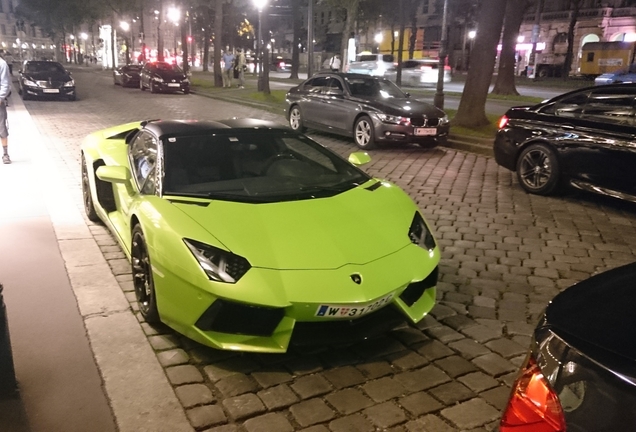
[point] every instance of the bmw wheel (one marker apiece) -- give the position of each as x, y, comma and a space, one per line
363, 133
89, 206
538, 169
296, 119
142, 277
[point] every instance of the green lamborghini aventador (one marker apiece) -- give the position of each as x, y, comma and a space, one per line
242, 233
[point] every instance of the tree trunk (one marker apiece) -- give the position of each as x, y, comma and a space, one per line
398, 79
413, 7
218, 43
569, 55
393, 38
505, 83
472, 106
160, 56
297, 25
206, 47
113, 41
185, 52
267, 58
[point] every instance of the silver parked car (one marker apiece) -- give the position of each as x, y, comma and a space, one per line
372, 64
371, 109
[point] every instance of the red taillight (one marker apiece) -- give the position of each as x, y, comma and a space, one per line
533, 405
281, 64
448, 68
503, 121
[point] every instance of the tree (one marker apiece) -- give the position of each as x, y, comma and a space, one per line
297, 26
351, 12
575, 6
472, 106
218, 43
505, 83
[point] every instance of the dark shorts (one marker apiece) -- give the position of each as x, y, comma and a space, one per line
4, 122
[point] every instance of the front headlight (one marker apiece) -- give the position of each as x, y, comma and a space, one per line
28, 82
70, 83
443, 120
186, 81
157, 78
385, 118
420, 234
218, 265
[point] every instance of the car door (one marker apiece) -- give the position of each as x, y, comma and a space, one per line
337, 108
142, 155
312, 101
609, 159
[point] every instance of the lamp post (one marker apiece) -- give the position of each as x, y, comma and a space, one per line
125, 27
260, 4
84, 37
471, 36
174, 15
438, 99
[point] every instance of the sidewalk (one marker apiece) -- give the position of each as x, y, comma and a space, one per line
82, 360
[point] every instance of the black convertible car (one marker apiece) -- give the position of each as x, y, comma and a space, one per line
45, 79
580, 373
584, 138
163, 77
371, 109
127, 75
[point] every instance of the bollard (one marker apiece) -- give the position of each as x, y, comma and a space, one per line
8, 384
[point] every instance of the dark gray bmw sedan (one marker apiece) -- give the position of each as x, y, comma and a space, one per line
371, 109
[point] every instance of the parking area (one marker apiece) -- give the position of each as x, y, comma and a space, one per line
505, 254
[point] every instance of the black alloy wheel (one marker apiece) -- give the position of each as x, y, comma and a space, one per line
363, 133
538, 169
296, 119
89, 206
142, 277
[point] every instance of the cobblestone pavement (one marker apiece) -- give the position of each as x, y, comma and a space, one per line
505, 254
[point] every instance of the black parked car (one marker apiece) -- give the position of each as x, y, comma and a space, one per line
163, 77
371, 109
127, 76
45, 79
580, 373
584, 138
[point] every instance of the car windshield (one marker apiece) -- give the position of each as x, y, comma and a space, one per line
49, 67
374, 88
167, 67
255, 167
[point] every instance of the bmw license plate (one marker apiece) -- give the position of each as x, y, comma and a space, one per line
425, 131
351, 311
51, 90
174, 85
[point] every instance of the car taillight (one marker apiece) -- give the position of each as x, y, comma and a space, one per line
448, 68
281, 64
503, 121
533, 405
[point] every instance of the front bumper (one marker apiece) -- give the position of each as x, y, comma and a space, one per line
171, 87
392, 133
260, 313
39, 92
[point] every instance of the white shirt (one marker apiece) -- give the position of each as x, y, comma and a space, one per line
5, 80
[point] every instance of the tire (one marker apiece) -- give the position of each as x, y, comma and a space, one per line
363, 133
296, 119
543, 72
89, 205
141, 86
538, 169
153, 88
186, 91
142, 277
72, 98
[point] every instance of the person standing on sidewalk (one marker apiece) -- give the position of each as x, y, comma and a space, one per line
241, 64
228, 68
5, 89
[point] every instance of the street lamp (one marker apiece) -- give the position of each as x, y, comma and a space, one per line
174, 15
260, 4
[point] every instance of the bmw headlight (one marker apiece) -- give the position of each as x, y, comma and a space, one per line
70, 83
186, 81
28, 82
386, 118
219, 265
443, 120
420, 234
157, 78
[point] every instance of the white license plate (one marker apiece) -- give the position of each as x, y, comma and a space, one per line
351, 311
174, 85
425, 131
51, 90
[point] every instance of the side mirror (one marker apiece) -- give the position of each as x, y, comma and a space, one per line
334, 92
358, 158
113, 174
408, 95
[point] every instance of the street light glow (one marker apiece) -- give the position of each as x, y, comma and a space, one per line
472, 34
124, 26
520, 39
174, 14
260, 4
84, 36
378, 38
